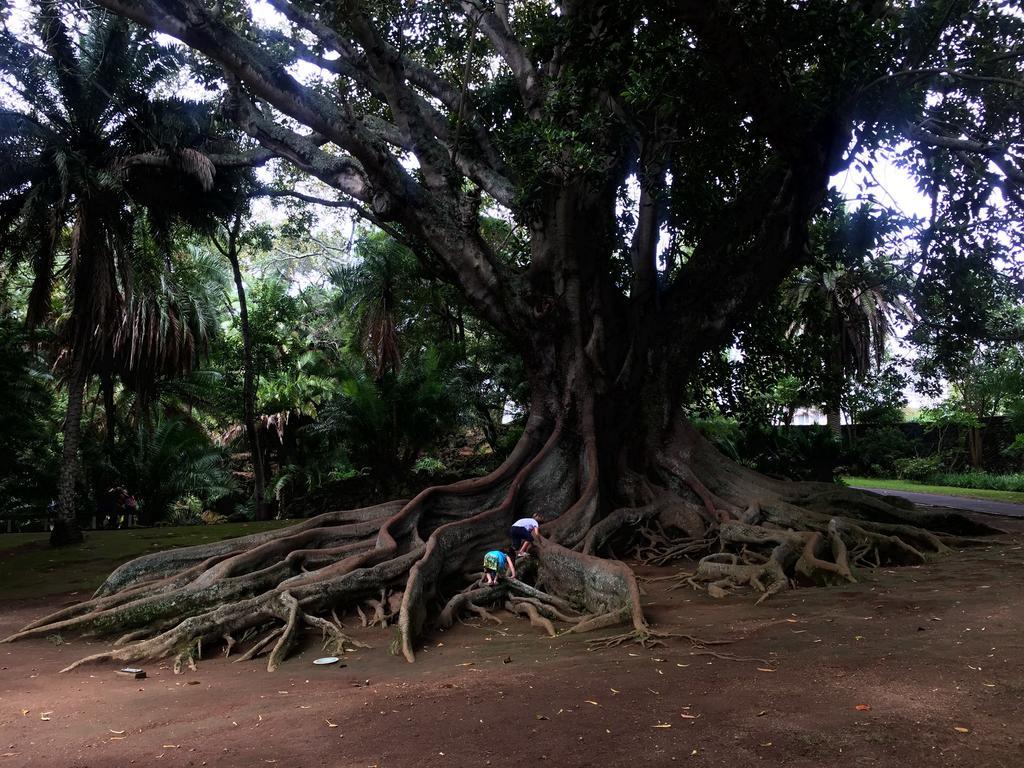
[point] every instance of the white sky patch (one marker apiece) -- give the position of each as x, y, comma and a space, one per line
890, 185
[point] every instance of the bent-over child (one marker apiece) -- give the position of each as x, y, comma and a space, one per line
496, 565
524, 533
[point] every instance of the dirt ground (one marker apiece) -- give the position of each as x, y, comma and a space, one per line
915, 666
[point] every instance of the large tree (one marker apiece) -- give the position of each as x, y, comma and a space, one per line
662, 161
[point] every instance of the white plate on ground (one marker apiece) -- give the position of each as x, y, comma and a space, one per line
327, 660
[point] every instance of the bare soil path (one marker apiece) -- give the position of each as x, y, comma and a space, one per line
914, 666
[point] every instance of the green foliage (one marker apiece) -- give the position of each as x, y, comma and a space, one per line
726, 433
428, 465
387, 422
877, 451
879, 398
170, 462
1012, 482
921, 469
29, 419
797, 453
188, 510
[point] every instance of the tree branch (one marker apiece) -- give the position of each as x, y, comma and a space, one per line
361, 211
489, 171
993, 152
498, 32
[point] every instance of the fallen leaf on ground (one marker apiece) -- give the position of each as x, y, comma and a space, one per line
862, 707
542, 717
170, 746
613, 690
192, 682
466, 664
116, 733
330, 724
961, 729
762, 713
858, 637
25, 711
682, 665
766, 744
661, 725
764, 669
989, 685
45, 716
590, 701
689, 717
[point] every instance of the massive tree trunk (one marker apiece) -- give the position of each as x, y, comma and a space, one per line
65, 526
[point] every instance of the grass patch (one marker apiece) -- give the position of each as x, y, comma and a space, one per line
1013, 497
976, 480
30, 568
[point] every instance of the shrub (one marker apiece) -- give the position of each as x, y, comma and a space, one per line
428, 465
918, 468
725, 433
984, 480
797, 453
876, 451
188, 510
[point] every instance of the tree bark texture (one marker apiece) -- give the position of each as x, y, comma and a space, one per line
65, 527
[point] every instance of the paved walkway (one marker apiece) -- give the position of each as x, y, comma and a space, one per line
1005, 508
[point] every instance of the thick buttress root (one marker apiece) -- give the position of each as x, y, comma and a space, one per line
396, 563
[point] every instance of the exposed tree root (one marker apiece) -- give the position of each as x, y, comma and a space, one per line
531, 612
260, 646
399, 563
729, 656
649, 638
289, 635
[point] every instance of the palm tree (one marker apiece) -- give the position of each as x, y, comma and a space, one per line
89, 148
170, 459
846, 301
371, 295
